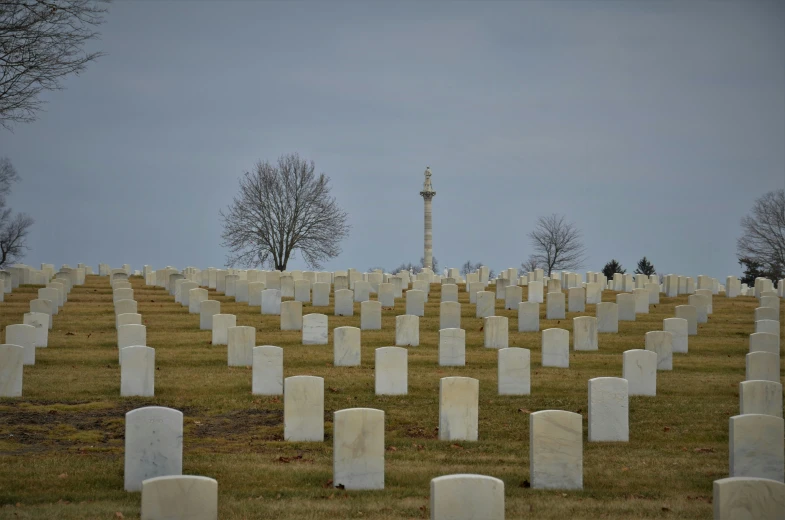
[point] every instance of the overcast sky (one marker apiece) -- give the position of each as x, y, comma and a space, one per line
653, 125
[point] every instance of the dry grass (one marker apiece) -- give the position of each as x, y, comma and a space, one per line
61, 445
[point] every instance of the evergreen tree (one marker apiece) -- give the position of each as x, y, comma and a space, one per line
611, 268
645, 267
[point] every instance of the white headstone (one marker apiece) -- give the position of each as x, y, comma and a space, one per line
303, 409
747, 498
346, 348
584, 330
661, 342
626, 306
40, 321
137, 371
221, 325
514, 371
556, 348
555, 308
11, 361
344, 302
241, 342
689, 313
678, 327
358, 448
391, 371
291, 315
764, 342
496, 332
407, 331
458, 408
315, 329
467, 497
195, 299
528, 317
761, 397
180, 497
371, 315
208, 309
267, 370
449, 315
757, 447
452, 347
271, 302
153, 444
608, 410
556, 450
639, 368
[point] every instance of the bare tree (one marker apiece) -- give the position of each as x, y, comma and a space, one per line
530, 264
281, 209
13, 228
763, 234
557, 244
41, 42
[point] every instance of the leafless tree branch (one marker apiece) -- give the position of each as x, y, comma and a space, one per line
281, 209
41, 42
13, 228
763, 233
557, 245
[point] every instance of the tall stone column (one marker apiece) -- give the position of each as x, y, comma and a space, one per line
428, 194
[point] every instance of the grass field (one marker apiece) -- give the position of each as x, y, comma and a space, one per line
61, 444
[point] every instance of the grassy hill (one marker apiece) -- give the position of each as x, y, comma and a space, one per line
61, 444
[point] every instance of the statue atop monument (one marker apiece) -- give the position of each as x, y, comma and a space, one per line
427, 188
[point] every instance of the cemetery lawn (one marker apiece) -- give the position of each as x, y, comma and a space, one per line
61, 444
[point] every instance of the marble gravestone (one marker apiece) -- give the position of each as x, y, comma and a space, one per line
358, 448
371, 315
626, 306
528, 317
679, 328
303, 409
391, 371
315, 330
761, 397
137, 371
271, 302
153, 444
344, 302
639, 368
407, 331
449, 315
763, 366
608, 410
467, 497
291, 315
514, 371
321, 294
757, 446
452, 347
11, 372
748, 498
554, 307
607, 317
208, 309
40, 321
556, 348
221, 325
556, 450
661, 342
346, 346
496, 332
458, 408
240, 345
764, 342
267, 376
179, 497
689, 313
195, 299
584, 330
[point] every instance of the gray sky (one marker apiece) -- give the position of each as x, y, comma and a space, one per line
653, 125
